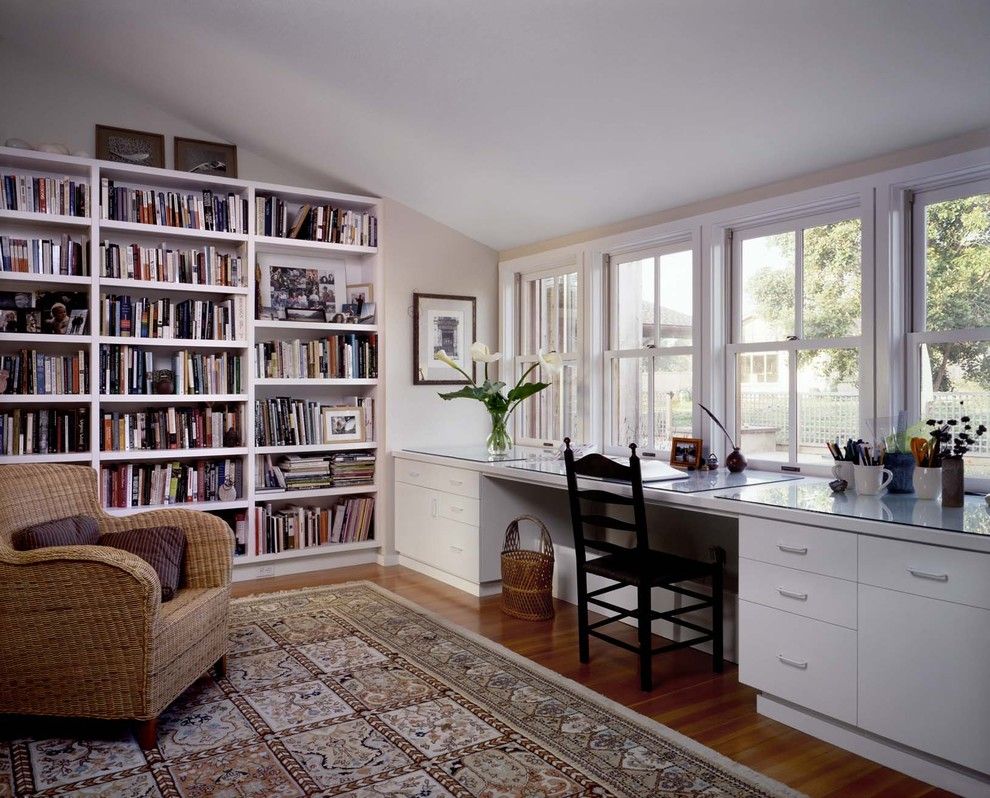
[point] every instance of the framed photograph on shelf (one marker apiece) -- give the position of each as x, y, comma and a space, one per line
443, 322
304, 314
359, 294
343, 424
322, 288
205, 157
130, 146
685, 452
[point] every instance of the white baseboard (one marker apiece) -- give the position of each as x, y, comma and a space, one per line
916, 764
301, 565
484, 589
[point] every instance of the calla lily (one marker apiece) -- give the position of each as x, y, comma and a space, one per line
443, 357
552, 362
480, 353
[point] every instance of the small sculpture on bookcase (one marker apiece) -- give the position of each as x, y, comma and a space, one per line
4, 376
231, 438
164, 381
227, 491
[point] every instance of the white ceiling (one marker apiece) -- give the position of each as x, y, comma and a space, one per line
518, 120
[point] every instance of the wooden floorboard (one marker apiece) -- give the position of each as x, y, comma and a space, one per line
714, 709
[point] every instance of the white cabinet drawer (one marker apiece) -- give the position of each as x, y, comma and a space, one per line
807, 548
413, 472
923, 674
933, 571
460, 508
459, 481
453, 547
808, 662
811, 595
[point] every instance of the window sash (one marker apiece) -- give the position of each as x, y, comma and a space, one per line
522, 363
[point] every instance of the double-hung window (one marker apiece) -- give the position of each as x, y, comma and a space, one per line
796, 347
949, 341
549, 309
650, 364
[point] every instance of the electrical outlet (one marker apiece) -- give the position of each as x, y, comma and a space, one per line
266, 570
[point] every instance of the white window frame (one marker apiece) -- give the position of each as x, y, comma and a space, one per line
527, 353
796, 221
916, 334
682, 242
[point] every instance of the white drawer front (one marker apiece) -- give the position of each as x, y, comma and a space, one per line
933, 571
460, 481
453, 547
413, 472
811, 595
460, 508
808, 662
807, 548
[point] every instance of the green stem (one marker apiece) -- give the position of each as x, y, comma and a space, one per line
527, 373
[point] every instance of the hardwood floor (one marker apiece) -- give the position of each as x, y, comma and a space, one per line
713, 709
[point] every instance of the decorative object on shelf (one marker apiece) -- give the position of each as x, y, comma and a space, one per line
949, 442
368, 312
447, 324
343, 424
499, 405
232, 437
53, 149
164, 381
712, 461
135, 147
4, 376
838, 485
18, 144
685, 452
734, 462
360, 294
927, 482
305, 314
527, 576
319, 288
205, 157
227, 491
871, 479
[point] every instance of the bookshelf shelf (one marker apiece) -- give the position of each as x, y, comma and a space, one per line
172, 454
55, 219
360, 264
174, 343
237, 504
127, 284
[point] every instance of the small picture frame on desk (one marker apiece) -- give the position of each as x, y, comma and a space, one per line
685, 452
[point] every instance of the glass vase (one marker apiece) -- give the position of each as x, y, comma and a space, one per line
499, 442
952, 482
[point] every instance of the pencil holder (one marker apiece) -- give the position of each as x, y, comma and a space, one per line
901, 465
872, 479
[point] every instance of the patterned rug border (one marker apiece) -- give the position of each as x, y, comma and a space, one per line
644, 722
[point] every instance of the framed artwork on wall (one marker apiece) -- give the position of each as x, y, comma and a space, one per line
205, 157
443, 322
130, 146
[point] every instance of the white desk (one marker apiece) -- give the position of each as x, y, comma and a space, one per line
864, 621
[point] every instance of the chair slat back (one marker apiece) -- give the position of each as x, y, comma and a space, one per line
600, 467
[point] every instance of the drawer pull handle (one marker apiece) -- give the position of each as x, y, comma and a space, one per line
456, 508
801, 666
414, 474
456, 549
928, 575
792, 594
457, 482
792, 549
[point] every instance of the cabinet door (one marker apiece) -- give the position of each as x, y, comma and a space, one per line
415, 513
923, 674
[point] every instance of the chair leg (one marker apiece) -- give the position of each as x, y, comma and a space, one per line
717, 619
220, 667
584, 650
147, 733
645, 607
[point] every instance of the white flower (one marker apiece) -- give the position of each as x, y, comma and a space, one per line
480, 353
443, 357
552, 362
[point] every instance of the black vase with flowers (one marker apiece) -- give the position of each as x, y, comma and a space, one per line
951, 440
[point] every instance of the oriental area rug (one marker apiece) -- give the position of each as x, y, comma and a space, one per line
351, 690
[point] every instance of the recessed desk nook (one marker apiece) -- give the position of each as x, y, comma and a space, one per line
856, 615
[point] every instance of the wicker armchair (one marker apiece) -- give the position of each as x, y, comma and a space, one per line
83, 631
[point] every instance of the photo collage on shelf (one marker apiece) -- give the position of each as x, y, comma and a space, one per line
44, 313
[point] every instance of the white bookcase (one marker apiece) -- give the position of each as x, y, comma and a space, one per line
362, 265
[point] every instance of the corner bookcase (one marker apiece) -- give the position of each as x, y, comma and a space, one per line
88, 352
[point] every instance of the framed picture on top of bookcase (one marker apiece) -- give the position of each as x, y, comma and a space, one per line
205, 157
135, 147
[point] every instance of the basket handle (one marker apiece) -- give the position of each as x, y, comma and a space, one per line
512, 536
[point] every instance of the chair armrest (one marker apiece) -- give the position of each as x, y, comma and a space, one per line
209, 542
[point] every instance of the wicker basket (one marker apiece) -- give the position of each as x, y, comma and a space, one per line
527, 576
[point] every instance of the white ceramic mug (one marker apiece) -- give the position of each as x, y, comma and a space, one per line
843, 469
870, 479
927, 482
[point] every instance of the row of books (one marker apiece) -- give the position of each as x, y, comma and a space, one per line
349, 356
315, 223
161, 429
44, 431
227, 214
352, 468
50, 195
128, 369
44, 256
190, 319
41, 373
179, 482
204, 266
294, 527
314, 471
283, 421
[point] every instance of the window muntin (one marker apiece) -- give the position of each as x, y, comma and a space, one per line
650, 365
949, 345
797, 341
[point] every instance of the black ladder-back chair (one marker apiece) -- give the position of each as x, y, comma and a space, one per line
638, 566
